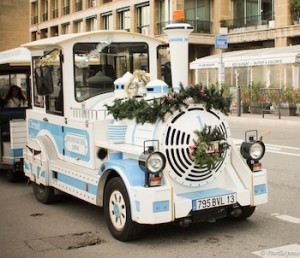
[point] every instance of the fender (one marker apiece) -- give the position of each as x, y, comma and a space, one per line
39, 151
128, 170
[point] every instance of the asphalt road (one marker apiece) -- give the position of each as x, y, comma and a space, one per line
73, 228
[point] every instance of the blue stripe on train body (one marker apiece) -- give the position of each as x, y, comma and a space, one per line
61, 135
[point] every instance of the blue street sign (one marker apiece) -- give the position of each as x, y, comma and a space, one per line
221, 42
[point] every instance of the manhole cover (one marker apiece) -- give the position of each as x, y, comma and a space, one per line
66, 242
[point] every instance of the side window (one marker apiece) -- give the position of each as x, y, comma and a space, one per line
48, 71
14, 90
165, 64
54, 101
38, 100
4, 87
98, 65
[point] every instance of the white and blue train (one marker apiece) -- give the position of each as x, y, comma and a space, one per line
93, 133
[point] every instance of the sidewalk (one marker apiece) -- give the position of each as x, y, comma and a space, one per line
270, 119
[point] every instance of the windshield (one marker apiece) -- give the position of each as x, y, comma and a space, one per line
98, 65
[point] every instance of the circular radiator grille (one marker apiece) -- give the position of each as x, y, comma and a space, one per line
179, 136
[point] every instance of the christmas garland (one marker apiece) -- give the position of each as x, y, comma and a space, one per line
209, 148
150, 110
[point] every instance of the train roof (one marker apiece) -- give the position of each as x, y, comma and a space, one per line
16, 57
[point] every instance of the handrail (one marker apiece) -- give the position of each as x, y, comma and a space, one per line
88, 114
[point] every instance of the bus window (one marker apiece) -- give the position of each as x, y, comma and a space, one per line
4, 86
97, 65
7, 81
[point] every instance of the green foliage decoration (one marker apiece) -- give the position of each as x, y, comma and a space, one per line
204, 152
150, 110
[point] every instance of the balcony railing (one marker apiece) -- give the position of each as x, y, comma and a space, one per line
55, 13
66, 10
91, 3
45, 16
248, 21
78, 6
144, 29
35, 20
198, 25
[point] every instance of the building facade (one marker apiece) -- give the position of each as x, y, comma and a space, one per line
248, 24
14, 23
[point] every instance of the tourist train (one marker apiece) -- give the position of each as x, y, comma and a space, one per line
114, 122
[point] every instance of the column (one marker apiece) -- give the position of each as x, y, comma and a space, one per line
133, 18
221, 10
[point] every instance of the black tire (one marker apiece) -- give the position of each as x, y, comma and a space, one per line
15, 176
246, 212
12, 175
117, 212
44, 194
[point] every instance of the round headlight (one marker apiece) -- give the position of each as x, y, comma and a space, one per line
253, 150
256, 150
153, 162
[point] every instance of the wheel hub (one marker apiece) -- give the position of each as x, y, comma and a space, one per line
118, 210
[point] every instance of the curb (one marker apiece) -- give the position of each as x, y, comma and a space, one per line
267, 120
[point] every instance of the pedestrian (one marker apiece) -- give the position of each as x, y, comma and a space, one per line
15, 97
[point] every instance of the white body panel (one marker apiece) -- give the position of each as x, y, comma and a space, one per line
14, 149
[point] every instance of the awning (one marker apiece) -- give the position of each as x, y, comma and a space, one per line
244, 58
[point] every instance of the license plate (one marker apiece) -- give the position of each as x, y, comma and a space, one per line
217, 201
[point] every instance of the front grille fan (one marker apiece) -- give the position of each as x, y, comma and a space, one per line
179, 137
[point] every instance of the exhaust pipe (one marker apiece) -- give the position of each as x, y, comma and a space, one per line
235, 213
185, 222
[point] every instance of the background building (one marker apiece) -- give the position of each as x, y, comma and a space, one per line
248, 24
14, 23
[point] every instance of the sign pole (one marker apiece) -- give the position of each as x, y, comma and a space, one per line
221, 43
221, 71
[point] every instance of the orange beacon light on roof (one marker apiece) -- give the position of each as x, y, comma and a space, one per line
178, 15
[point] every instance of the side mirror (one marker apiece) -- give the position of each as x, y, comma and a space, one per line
43, 80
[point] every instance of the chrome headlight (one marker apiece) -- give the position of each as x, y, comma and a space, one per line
253, 150
153, 162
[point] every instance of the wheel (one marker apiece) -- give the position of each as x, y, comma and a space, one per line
15, 173
12, 175
117, 212
44, 194
246, 212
